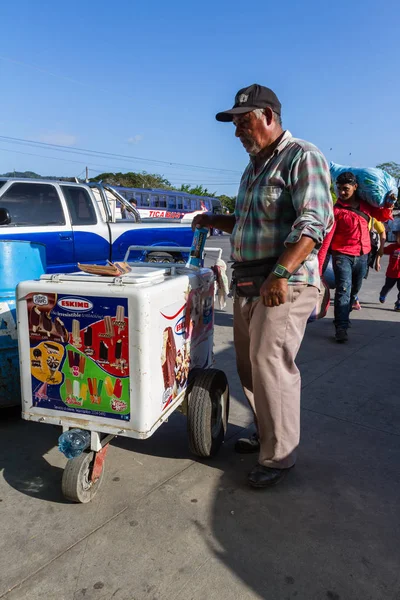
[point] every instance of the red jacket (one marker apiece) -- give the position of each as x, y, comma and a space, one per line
393, 269
350, 233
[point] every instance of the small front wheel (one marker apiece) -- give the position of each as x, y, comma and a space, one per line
208, 411
77, 485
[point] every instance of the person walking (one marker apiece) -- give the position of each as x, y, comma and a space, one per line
393, 270
350, 245
283, 212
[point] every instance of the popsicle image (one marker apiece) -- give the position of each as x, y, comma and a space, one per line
109, 327
47, 323
76, 388
70, 359
76, 333
118, 389
68, 387
88, 337
35, 319
120, 318
168, 357
118, 350
103, 351
100, 387
60, 329
109, 386
84, 389
90, 384
82, 363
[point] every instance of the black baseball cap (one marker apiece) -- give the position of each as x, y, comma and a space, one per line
248, 99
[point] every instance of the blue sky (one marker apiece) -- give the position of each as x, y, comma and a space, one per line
146, 79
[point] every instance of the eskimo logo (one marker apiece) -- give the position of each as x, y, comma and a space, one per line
180, 326
75, 304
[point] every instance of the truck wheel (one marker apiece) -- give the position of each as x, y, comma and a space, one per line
208, 411
159, 257
76, 484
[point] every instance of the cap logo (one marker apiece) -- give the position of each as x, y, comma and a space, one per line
243, 98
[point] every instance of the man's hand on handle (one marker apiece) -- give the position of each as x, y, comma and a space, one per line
203, 220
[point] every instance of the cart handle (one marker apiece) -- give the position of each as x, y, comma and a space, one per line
185, 249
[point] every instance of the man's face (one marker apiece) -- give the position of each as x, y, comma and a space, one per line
252, 132
346, 190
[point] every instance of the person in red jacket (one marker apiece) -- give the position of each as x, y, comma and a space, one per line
349, 243
393, 271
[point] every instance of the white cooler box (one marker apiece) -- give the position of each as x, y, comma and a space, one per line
113, 355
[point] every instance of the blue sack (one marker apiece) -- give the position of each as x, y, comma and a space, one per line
374, 185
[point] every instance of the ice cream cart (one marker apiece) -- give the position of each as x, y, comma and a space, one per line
115, 356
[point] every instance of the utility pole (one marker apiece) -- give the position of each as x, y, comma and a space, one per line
87, 175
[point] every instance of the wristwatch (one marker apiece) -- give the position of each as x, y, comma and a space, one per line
281, 272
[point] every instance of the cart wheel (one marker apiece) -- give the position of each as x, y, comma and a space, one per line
76, 484
208, 410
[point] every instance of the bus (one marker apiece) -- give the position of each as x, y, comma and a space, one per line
168, 205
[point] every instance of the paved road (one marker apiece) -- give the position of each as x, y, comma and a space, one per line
167, 527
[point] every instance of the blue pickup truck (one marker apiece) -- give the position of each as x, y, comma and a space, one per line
82, 223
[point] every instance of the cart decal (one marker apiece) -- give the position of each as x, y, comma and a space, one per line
176, 315
80, 354
187, 340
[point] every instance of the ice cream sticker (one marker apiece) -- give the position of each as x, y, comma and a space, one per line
80, 354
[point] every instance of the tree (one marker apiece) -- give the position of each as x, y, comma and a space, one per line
393, 169
228, 202
136, 180
197, 190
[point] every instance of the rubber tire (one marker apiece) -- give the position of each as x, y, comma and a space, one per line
160, 257
207, 387
75, 484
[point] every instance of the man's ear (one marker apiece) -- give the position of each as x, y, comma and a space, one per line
269, 115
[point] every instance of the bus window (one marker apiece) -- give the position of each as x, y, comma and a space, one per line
179, 202
145, 200
207, 204
195, 204
171, 202
155, 201
163, 201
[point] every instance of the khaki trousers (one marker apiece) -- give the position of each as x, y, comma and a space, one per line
266, 342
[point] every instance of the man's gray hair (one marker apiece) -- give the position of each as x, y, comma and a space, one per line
260, 112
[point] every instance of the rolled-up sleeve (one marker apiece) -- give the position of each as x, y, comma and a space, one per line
310, 189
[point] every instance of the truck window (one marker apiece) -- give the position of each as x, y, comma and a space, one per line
33, 204
80, 205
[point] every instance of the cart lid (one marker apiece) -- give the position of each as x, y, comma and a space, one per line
138, 275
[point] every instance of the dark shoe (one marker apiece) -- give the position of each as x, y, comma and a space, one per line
248, 445
348, 326
261, 476
341, 336
382, 299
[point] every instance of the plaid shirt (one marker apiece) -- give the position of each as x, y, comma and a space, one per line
287, 198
